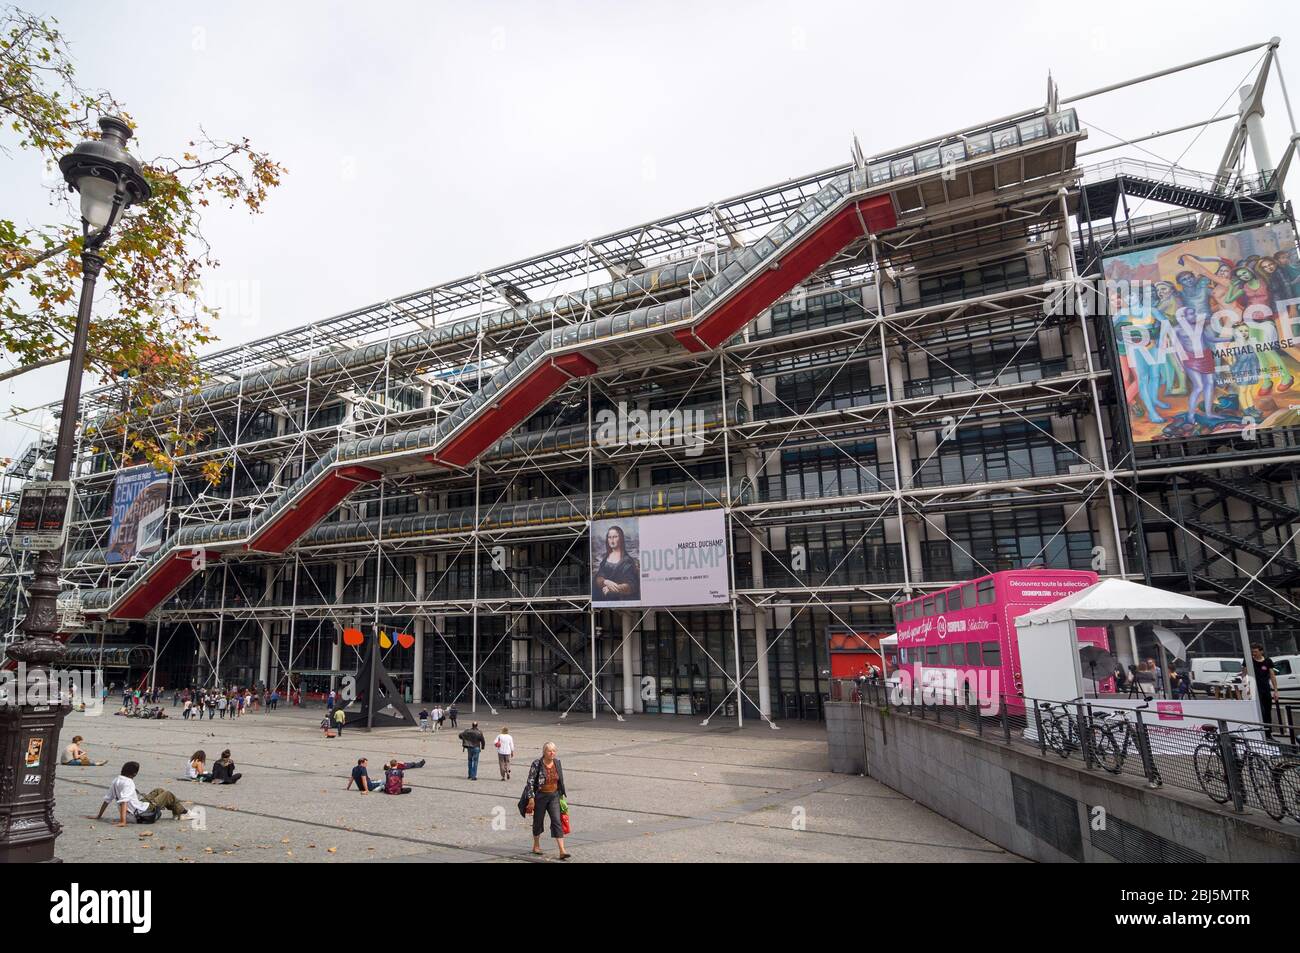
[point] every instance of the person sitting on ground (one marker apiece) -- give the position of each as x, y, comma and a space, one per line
197, 770
393, 775
75, 754
223, 772
124, 794
361, 778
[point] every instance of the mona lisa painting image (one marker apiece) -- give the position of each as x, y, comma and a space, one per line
616, 571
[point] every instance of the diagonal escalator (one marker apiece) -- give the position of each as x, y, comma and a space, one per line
841, 212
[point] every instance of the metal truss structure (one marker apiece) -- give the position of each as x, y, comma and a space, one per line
887, 374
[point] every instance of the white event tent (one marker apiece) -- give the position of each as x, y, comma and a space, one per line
1048, 640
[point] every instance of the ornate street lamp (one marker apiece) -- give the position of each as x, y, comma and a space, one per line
109, 180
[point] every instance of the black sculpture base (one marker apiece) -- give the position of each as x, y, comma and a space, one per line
377, 693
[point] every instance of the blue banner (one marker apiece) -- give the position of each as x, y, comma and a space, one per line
139, 514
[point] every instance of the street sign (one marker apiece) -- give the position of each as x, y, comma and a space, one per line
44, 509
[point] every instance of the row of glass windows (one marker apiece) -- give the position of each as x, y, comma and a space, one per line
999, 361
981, 592
816, 472
974, 146
996, 452
985, 654
961, 283
832, 387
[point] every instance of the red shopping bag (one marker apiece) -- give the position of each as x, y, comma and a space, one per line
564, 823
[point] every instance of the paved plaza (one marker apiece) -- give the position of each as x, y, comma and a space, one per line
651, 789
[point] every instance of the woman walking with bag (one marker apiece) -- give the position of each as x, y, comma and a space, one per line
544, 793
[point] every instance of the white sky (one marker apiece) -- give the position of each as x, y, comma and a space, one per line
425, 141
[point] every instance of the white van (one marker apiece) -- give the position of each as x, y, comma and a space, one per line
1288, 674
1217, 671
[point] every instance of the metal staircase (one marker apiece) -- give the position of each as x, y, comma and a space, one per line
845, 209
1239, 592
1283, 570
1233, 199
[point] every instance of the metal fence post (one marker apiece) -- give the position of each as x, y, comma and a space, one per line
1006, 723
1083, 729
1228, 751
1144, 749
1038, 727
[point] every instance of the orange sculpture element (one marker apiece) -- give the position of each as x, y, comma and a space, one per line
353, 637
405, 639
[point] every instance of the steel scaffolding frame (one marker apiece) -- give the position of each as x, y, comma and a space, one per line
363, 363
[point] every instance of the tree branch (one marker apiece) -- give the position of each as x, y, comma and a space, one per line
35, 365
36, 260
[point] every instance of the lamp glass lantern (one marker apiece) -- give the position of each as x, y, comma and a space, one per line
107, 177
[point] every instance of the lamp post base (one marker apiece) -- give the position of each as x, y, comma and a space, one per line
29, 738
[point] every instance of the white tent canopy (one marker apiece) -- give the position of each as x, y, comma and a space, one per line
1051, 665
1118, 600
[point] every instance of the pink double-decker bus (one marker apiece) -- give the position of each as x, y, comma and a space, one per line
962, 640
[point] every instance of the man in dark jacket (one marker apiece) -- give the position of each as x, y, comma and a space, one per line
473, 742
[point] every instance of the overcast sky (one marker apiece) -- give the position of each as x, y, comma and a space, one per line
427, 140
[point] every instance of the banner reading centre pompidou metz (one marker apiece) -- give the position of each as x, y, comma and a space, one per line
139, 511
679, 559
1208, 334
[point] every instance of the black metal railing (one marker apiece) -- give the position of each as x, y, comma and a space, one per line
1243, 765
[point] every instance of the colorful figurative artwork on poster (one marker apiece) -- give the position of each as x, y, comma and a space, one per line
1207, 332
139, 512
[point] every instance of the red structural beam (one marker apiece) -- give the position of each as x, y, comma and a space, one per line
852, 221
514, 407
167, 576
291, 522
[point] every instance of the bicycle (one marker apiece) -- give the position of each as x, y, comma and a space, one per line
1060, 730
1263, 773
1111, 734
1288, 782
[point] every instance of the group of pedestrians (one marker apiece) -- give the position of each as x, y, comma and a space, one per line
214, 703
544, 795
138, 697
435, 719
